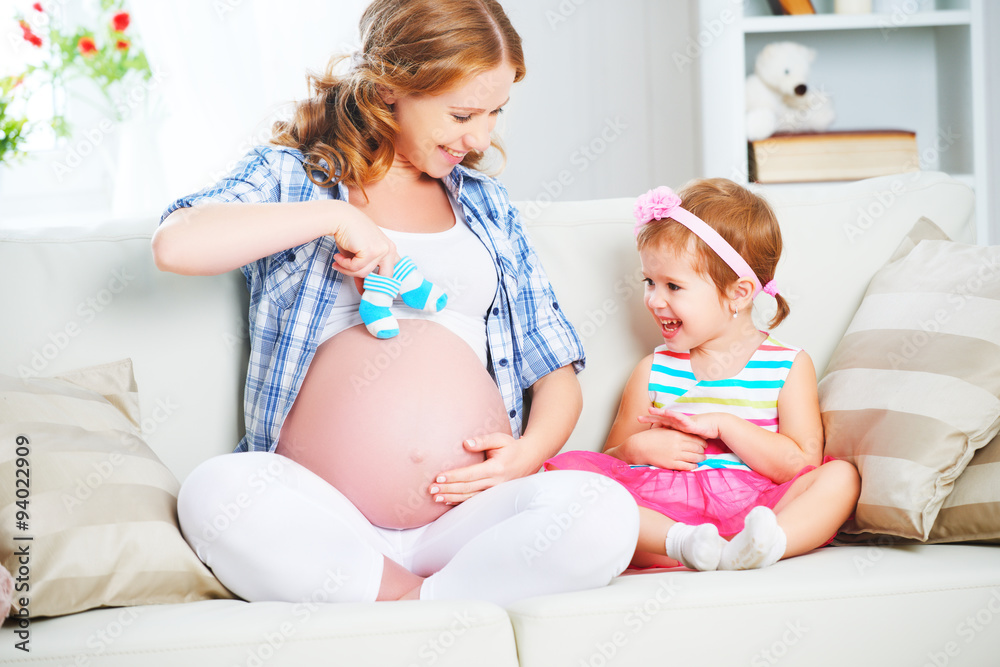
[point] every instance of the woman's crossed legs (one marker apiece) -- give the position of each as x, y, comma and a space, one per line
270, 529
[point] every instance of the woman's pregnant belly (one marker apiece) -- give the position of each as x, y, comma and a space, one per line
380, 419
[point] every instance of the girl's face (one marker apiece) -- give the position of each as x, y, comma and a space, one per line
685, 303
436, 131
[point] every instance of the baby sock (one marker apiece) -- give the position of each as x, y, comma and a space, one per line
697, 547
374, 308
418, 292
761, 542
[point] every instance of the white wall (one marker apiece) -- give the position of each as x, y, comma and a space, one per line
609, 107
604, 111
991, 10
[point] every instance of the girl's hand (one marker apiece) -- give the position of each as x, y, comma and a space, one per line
704, 426
661, 447
506, 459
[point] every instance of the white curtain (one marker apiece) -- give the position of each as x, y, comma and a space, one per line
226, 69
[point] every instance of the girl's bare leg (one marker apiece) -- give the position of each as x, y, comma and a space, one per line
653, 528
817, 505
697, 547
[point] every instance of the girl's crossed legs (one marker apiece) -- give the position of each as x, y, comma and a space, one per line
808, 516
270, 529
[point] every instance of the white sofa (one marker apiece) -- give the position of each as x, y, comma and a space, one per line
74, 297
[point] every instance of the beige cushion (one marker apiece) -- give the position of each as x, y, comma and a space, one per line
98, 505
912, 390
971, 512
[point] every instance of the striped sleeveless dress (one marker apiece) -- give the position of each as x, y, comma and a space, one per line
722, 489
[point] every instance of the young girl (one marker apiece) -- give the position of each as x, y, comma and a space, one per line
718, 435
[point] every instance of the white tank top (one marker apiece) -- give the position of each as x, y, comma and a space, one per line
457, 262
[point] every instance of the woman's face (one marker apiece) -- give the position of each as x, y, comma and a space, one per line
436, 131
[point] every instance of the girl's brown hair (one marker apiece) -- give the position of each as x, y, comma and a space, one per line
418, 47
744, 219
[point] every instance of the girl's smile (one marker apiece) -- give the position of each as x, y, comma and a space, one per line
685, 303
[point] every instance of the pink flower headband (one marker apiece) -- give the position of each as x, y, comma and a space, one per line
664, 203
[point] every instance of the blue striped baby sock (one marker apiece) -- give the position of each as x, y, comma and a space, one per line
418, 292
374, 308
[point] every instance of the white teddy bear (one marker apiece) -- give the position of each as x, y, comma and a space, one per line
777, 97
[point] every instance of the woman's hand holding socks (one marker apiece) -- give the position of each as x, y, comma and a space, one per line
417, 293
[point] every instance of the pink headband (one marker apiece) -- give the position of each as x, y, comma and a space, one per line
664, 203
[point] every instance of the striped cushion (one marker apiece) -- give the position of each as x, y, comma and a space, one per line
99, 508
971, 512
913, 389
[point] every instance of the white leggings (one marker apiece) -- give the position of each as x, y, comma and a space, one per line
271, 529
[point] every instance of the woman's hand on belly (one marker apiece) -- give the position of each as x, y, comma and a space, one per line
556, 402
507, 458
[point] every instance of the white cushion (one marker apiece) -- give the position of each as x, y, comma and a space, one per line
272, 634
835, 239
857, 605
82, 296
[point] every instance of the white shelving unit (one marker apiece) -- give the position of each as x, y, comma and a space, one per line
917, 66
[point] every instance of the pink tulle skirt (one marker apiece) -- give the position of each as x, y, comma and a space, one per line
718, 496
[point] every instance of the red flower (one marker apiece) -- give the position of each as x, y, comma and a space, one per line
37, 7
29, 36
120, 21
123, 44
86, 46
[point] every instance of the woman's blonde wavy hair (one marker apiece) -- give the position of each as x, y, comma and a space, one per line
418, 47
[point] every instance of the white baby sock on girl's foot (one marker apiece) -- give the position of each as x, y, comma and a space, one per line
761, 543
374, 308
418, 292
697, 547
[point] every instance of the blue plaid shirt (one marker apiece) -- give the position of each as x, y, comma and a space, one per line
291, 292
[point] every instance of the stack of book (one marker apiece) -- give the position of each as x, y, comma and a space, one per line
791, 7
843, 155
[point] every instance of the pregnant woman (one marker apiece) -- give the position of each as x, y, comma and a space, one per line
401, 468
